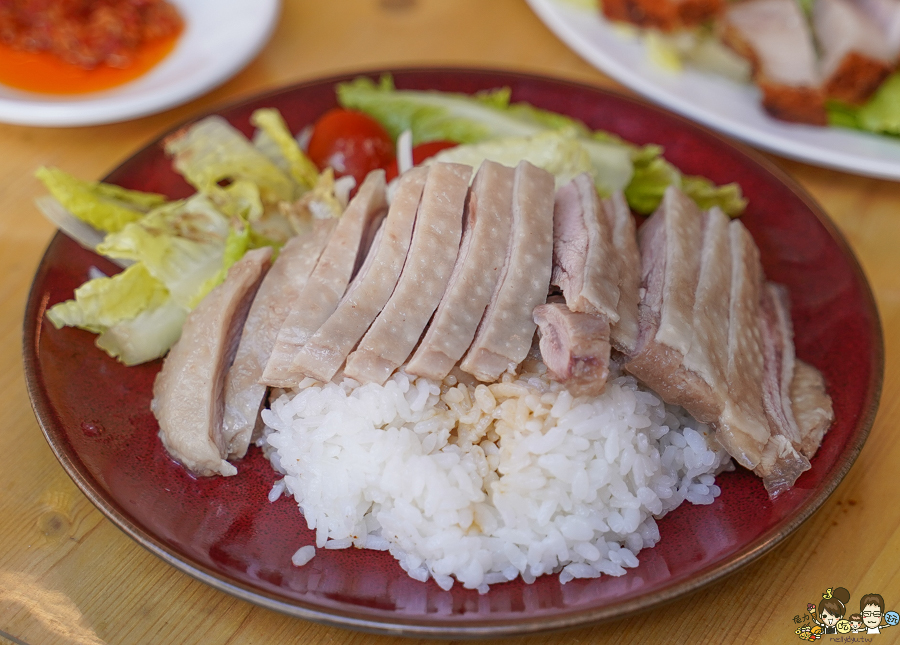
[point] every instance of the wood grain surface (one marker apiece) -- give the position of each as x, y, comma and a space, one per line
68, 575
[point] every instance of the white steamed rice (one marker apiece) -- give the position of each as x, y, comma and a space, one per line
488, 483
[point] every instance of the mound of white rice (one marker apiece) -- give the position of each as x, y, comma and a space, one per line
483, 484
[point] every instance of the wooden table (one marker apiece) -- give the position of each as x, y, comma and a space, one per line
68, 575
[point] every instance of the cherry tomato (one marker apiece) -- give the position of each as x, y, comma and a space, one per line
351, 142
420, 153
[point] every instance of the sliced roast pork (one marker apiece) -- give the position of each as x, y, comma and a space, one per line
324, 353
885, 14
188, 394
432, 254
856, 56
244, 395
574, 347
482, 252
775, 36
329, 280
507, 329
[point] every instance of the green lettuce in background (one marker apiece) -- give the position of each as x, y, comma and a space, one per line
498, 130
880, 114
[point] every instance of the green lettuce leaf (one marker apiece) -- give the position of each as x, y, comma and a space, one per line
240, 200
147, 336
103, 302
181, 251
106, 207
432, 115
212, 151
181, 244
652, 175
880, 114
842, 115
559, 152
489, 126
270, 123
650, 180
727, 197
236, 245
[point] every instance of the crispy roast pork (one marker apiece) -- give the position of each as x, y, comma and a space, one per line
775, 36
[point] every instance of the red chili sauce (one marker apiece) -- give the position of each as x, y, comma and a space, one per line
78, 46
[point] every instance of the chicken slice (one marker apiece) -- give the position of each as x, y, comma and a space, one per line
659, 362
188, 394
733, 368
811, 406
487, 223
507, 329
708, 353
684, 234
743, 426
783, 447
624, 333
574, 347
277, 295
432, 254
328, 281
779, 362
324, 353
585, 264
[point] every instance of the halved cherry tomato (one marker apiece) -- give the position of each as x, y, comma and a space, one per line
351, 142
420, 153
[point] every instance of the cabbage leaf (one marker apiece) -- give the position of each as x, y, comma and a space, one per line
212, 151
272, 125
106, 207
103, 302
181, 244
559, 152
147, 336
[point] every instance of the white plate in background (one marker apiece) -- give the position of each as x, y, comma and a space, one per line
717, 102
220, 37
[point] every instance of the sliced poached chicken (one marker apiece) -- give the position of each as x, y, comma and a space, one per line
188, 393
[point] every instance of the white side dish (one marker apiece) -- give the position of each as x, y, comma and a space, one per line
219, 39
715, 101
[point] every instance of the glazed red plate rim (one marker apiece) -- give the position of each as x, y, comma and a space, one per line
42, 355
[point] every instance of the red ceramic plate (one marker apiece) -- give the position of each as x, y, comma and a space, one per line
95, 412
